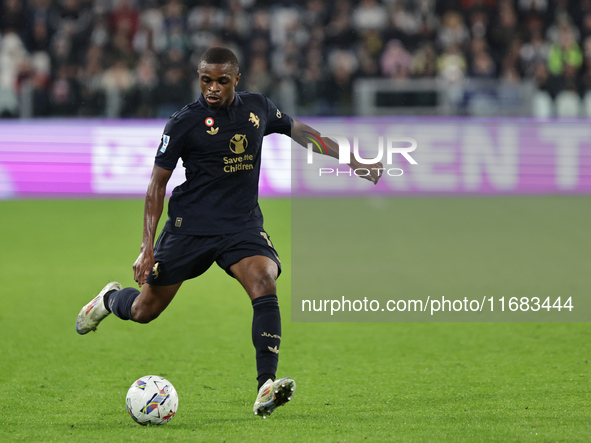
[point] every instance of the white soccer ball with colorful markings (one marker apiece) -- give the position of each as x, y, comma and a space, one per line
152, 400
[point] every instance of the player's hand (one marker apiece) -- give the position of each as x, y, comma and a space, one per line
375, 171
143, 266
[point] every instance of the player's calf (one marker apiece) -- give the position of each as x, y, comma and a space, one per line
150, 303
142, 313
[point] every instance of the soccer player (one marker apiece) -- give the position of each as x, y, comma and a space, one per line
214, 216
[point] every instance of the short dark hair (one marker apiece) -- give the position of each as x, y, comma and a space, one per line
220, 56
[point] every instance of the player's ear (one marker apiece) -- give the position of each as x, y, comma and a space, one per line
237, 79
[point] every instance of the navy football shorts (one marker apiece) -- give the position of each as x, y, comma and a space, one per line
181, 257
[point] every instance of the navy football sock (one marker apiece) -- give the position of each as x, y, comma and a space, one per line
266, 335
119, 302
106, 299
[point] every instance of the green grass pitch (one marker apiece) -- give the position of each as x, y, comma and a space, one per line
434, 382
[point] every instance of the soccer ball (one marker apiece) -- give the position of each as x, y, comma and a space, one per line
152, 400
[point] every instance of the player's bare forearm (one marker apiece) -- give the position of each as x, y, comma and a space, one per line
300, 133
154, 204
153, 207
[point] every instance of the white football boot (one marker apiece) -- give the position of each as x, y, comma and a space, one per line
94, 312
273, 394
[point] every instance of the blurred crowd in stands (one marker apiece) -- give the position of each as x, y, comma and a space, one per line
71, 54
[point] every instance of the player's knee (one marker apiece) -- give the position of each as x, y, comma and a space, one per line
265, 282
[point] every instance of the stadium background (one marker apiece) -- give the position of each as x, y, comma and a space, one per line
85, 88
137, 58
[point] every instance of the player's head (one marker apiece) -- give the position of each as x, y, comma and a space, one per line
218, 76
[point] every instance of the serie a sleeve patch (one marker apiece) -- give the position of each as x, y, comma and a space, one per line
165, 141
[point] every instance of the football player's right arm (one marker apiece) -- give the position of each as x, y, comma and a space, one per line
152, 211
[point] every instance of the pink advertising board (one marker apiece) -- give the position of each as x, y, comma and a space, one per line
70, 158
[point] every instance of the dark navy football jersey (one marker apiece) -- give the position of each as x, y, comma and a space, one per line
221, 152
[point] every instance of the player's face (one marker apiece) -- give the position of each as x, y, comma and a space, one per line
217, 83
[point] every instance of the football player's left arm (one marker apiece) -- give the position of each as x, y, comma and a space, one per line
298, 134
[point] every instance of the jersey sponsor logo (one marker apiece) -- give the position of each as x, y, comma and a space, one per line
238, 143
209, 122
165, 141
213, 131
254, 119
242, 163
278, 113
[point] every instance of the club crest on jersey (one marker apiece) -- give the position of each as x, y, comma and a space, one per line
238, 143
254, 120
165, 141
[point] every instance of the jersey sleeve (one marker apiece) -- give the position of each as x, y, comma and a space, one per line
276, 120
171, 144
